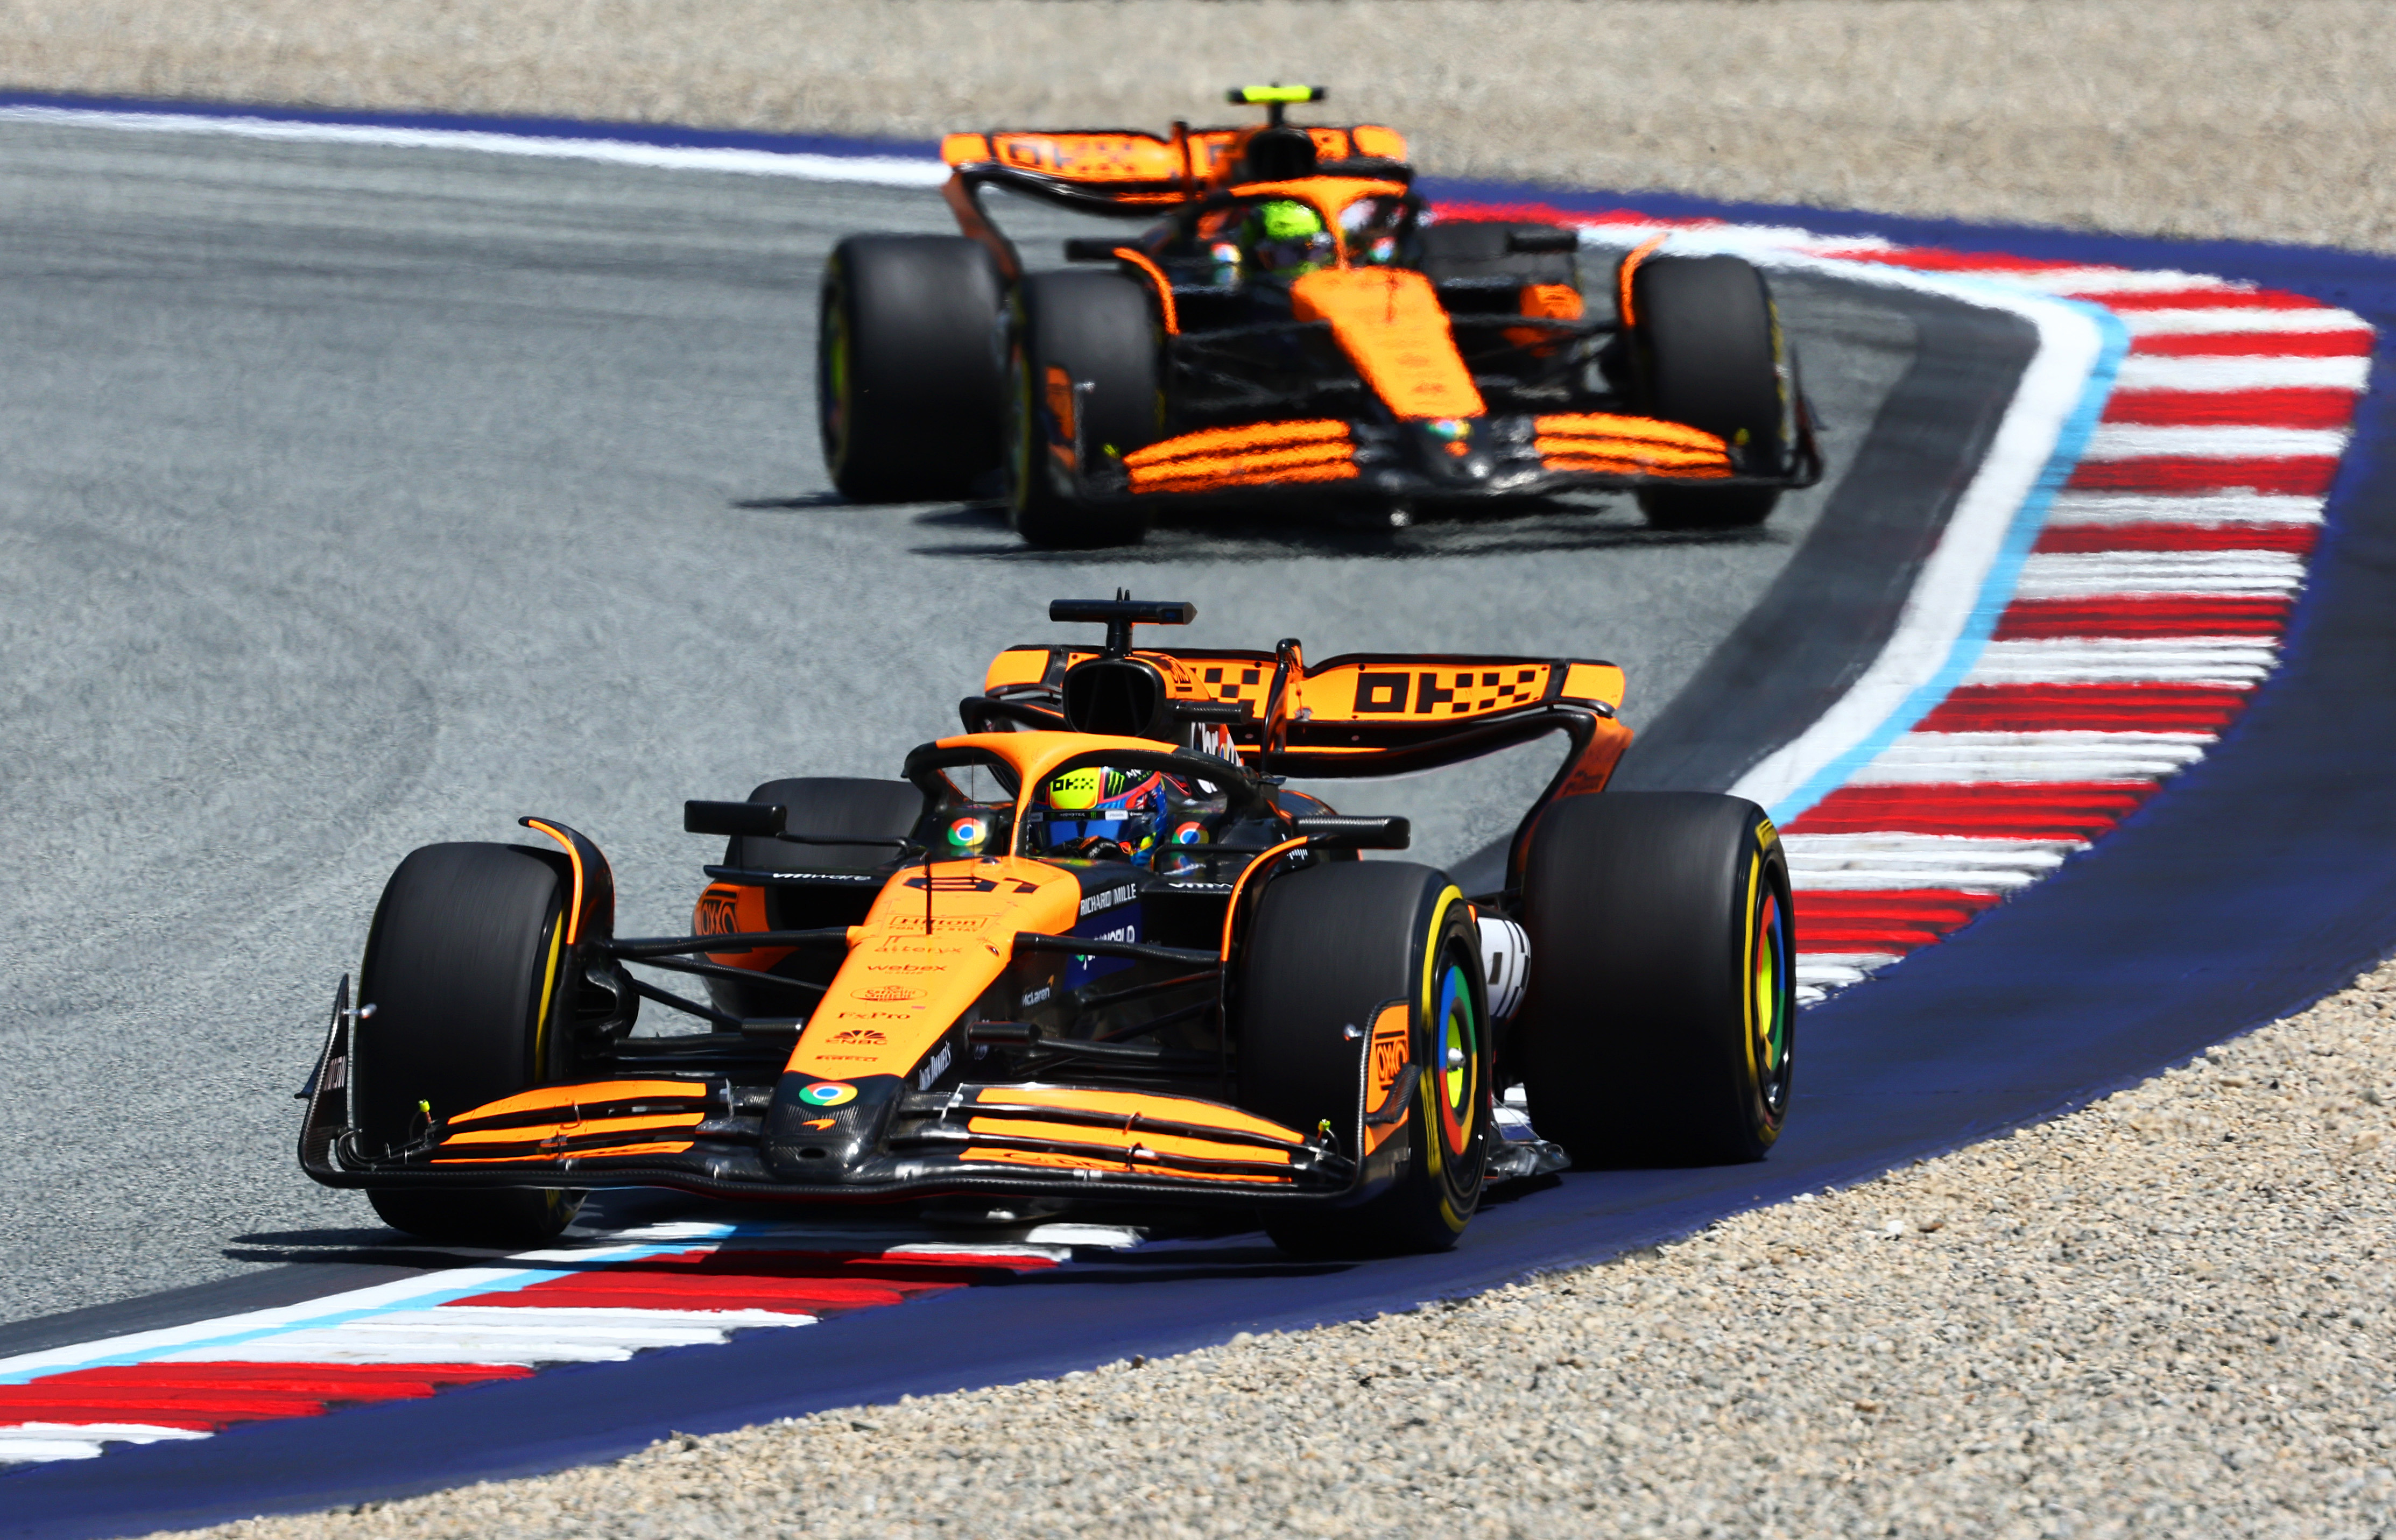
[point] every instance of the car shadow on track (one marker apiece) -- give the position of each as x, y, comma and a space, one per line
1339, 533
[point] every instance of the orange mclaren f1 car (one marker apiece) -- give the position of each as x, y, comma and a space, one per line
1292, 320
1091, 949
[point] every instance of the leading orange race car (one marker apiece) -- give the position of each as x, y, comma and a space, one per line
1092, 949
1294, 323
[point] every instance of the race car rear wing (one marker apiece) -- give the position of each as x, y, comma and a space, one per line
1355, 716
1135, 168
1131, 173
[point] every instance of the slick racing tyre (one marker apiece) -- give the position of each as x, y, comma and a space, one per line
1658, 1023
908, 388
465, 1000
1327, 945
1706, 350
1082, 368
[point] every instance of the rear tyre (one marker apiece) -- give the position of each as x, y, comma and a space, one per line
1068, 330
908, 393
1707, 349
465, 976
1329, 945
1661, 1007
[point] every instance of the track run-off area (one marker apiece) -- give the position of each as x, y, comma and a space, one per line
429, 485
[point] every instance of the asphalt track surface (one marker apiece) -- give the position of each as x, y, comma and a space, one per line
2243, 890
354, 497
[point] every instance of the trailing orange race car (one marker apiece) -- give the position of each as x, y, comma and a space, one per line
1294, 320
1092, 948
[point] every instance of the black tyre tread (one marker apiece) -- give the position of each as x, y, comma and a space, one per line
502, 1216
1708, 349
1326, 946
927, 387
1097, 328
827, 806
1631, 1036
455, 968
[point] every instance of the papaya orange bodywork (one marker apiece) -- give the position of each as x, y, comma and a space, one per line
533, 1132
726, 909
1391, 324
1132, 1105
903, 985
551, 1097
1389, 1050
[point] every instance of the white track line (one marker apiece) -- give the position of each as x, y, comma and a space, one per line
871, 170
1967, 570
2095, 283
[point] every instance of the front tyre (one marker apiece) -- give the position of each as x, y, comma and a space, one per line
1082, 378
1706, 351
908, 388
1659, 1020
1327, 945
466, 996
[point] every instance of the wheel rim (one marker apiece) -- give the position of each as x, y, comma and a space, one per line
1457, 1072
1771, 1003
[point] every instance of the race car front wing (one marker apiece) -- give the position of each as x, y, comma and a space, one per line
877, 1138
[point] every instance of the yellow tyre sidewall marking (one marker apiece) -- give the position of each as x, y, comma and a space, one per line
1432, 1144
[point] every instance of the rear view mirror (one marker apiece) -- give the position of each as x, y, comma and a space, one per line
733, 818
1534, 240
1356, 833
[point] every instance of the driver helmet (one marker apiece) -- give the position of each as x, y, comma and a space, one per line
1285, 238
1104, 802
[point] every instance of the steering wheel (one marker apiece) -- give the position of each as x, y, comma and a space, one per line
1093, 847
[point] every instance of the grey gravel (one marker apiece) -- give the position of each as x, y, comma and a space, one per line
2166, 1314
2195, 117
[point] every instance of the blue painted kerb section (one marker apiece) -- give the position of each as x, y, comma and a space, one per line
2248, 887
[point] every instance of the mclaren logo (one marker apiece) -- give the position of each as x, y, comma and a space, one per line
719, 912
1109, 899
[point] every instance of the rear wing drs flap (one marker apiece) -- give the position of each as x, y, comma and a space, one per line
1140, 171
1368, 713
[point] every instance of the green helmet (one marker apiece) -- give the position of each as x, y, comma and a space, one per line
1286, 237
